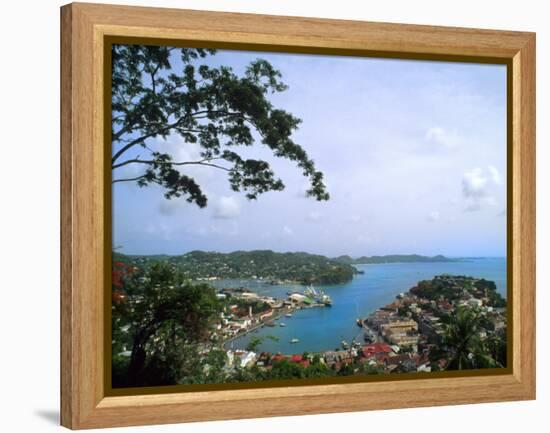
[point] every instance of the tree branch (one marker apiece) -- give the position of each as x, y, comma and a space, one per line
165, 129
204, 162
128, 179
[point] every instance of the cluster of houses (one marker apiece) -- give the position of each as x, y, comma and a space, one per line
237, 320
400, 336
381, 356
413, 323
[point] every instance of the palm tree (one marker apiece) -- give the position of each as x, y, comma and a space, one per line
463, 343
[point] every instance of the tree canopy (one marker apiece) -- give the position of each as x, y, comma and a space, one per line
166, 319
467, 349
155, 95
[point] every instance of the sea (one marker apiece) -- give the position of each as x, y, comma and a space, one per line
322, 329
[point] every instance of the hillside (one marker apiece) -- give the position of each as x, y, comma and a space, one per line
394, 258
265, 264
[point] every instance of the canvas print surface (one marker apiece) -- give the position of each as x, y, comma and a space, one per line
293, 217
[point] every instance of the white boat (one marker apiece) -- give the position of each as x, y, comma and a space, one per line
311, 292
288, 315
294, 340
318, 296
282, 324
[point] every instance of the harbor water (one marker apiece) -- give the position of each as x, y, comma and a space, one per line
322, 329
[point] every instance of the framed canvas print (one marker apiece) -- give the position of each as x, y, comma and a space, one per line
269, 216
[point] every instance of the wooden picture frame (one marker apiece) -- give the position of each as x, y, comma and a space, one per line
86, 30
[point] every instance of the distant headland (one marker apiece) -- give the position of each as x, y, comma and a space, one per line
393, 258
299, 267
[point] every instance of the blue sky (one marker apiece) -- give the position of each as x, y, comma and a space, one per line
413, 153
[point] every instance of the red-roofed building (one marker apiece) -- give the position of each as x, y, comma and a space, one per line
296, 358
278, 358
376, 349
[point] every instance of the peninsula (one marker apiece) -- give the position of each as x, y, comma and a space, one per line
393, 258
297, 267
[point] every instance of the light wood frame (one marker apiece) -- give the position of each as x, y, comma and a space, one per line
84, 403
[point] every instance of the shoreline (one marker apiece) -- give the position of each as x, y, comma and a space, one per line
371, 333
264, 324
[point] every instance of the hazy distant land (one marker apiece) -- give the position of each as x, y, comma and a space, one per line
394, 258
301, 267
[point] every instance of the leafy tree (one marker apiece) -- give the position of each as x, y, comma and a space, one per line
371, 369
154, 96
496, 345
462, 340
168, 319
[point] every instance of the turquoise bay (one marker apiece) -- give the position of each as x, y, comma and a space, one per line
321, 329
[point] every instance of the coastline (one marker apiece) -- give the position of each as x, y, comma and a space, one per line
359, 298
405, 335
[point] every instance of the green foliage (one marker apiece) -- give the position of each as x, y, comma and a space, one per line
155, 95
452, 287
303, 267
244, 304
166, 321
490, 289
284, 370
465, 347
393, 258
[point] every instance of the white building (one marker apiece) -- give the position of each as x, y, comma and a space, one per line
241, 358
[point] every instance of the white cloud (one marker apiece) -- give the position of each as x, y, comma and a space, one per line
314, 216
478, 187
495, 175
474, 184
227, 208
441, 137
386, 175
288, 231
433, 216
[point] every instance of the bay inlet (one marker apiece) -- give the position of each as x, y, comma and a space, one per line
322, 329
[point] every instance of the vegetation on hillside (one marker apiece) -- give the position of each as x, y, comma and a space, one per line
393, 258
261, 264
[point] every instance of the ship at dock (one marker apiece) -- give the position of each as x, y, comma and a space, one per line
318, 296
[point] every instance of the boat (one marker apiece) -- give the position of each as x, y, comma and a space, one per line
294, 340
359, 322
318, 296
288, 315
282, 324
310, 292
325, 299
345, 344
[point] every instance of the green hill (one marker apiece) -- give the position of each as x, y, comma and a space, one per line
394, 258
260, 264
